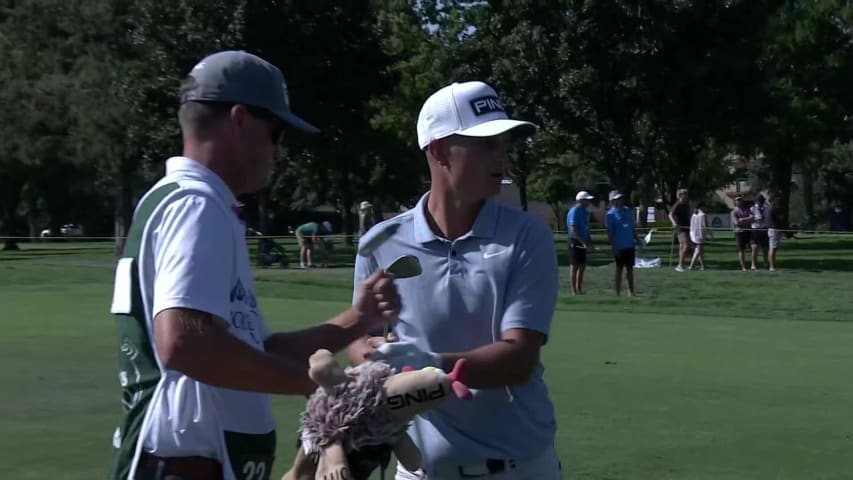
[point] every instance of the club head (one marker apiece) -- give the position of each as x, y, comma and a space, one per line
378, 239
405, 266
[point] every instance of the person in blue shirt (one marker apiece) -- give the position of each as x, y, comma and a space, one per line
487, 293
580, 242
622, 236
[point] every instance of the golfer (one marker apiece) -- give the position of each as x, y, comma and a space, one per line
487, 293
622, 236
580, 241
196, 359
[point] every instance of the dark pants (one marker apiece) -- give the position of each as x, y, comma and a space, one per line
625, 258
178, 468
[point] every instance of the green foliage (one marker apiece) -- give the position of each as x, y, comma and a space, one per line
647, 96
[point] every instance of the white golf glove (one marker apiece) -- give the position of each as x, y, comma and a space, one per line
405, 354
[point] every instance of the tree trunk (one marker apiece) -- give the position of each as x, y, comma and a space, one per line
781, 182
347, 217
263, 211
522, 190
808, 193
643, 220
122, 213
10, 199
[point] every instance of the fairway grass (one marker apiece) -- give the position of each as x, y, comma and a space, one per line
719, 374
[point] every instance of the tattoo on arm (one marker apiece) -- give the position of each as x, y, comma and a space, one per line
199, 324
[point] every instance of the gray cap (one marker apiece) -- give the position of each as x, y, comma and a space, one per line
614, 194
235, 76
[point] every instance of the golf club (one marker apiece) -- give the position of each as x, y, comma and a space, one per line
405, 266
377, 240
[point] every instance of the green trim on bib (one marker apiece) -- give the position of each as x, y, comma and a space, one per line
138, 370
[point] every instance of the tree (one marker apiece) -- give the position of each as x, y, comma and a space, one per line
807, 64
652, 88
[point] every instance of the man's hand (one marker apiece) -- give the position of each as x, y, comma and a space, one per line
404, 354
378, 302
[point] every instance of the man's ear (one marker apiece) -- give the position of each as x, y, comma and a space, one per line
238, 114
438, 151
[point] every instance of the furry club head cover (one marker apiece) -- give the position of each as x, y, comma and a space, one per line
360, 414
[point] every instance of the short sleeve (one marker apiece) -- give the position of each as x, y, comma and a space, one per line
193, 257
532, 288
573, 217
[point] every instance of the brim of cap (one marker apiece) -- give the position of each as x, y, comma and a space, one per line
297, 123
588, 197
497, 127
616, 197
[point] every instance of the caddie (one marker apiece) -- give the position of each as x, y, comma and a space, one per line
197, 361
487, 293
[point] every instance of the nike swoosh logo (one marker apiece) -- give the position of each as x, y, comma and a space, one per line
493, 254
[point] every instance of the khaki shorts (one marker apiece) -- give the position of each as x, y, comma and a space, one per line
306, 242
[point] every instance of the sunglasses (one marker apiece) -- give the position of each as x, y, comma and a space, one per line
276, 127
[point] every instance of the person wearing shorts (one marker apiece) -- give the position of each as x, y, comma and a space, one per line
306, 235
699, 233
680, 218
741, 218
774, 235
577, 222
758, 237
622, 236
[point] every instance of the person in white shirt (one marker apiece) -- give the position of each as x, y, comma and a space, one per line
699, 233
197, 361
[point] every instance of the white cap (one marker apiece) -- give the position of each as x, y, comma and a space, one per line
471, 109
583, 195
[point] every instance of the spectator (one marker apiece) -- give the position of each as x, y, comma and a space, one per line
741, 219
577, 222
774, 234
365, 217
699, 233
622, 236
680, 218
758, 236
306, 235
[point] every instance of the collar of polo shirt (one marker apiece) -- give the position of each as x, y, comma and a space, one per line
484, 225
192, 168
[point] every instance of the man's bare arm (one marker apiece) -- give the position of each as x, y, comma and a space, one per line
333, 335
377, 305
199, 345
509, 361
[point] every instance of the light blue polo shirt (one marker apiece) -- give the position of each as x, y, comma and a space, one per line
501, 275
579, 217
620, 223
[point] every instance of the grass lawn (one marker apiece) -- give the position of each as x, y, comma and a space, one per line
708, 375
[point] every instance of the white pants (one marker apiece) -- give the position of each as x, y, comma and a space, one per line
545, 466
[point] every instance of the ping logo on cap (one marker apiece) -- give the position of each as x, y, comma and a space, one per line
487, 104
